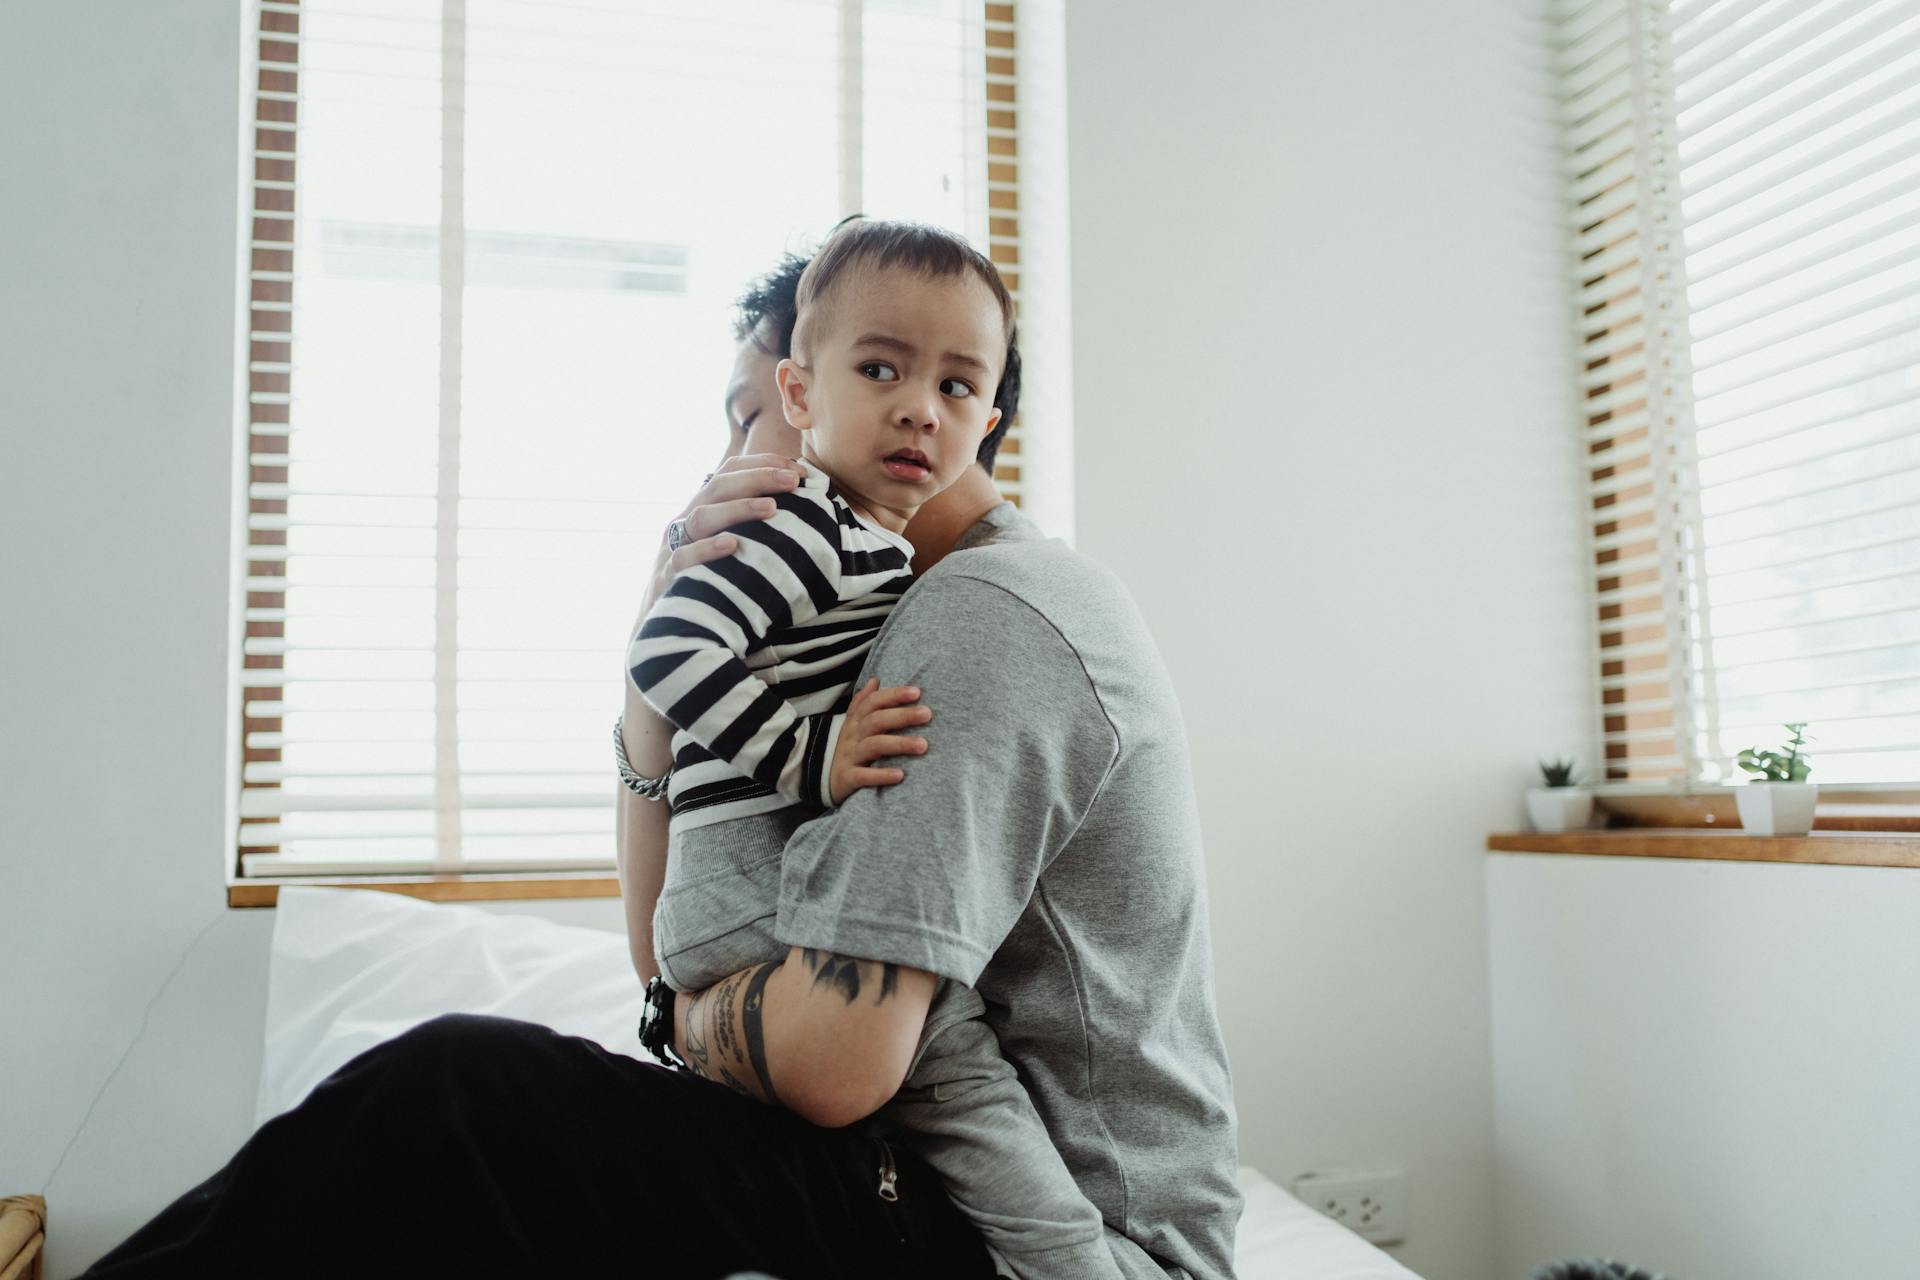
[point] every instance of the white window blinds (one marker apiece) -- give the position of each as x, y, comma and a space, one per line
494, 251
1746, 210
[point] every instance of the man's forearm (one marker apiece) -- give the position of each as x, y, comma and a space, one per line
828, 1037
640, 828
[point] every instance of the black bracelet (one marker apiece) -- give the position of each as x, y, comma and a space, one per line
656, 1024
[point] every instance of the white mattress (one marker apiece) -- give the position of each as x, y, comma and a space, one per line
351, 968
1282, 1239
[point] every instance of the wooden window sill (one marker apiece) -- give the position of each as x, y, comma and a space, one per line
1830, 848
265, 892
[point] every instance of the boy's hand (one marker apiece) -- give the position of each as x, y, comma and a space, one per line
869, 734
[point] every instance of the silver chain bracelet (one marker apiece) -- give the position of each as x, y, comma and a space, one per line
647, 788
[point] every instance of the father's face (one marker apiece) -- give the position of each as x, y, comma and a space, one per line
754, 421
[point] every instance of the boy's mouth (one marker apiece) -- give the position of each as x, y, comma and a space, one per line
907, 464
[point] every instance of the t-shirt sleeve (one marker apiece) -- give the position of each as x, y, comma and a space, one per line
687, 659
933, 873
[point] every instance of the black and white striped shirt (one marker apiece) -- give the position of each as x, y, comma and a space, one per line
753, 658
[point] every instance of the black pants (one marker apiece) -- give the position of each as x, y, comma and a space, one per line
478, 1146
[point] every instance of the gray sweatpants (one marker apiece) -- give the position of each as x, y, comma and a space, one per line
962, 1108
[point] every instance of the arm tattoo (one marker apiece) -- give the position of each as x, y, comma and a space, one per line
696, 1051
750, 1026
845, 974
724, 1039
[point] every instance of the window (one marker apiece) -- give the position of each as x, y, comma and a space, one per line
1746, 194
493, 255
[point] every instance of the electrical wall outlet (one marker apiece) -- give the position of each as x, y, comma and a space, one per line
1370, 1202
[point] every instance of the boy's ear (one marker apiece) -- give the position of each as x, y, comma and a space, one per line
792, 381
993, 420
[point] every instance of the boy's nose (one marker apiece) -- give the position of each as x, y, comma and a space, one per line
918, 411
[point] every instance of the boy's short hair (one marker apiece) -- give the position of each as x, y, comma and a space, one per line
769, 310
933, 252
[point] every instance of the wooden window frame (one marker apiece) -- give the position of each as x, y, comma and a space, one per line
269, 391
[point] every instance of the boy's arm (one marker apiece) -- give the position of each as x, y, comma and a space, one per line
687, 659
640, 826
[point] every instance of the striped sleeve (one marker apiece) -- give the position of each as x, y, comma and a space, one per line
688, 658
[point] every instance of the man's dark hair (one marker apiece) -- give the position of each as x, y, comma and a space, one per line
1006, 398
769, 309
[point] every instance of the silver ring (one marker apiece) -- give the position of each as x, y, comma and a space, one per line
678, 535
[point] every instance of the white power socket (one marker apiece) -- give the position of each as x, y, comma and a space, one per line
1371, 1202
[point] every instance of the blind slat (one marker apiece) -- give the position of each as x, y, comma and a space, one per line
1812, 56
1706, 37
1769, 336
1756, 45
369, 120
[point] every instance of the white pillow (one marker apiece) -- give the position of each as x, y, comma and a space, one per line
351, 968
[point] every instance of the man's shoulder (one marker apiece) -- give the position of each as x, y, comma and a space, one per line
1060, 614
1066, 587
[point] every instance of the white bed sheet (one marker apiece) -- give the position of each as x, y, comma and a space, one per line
351, 968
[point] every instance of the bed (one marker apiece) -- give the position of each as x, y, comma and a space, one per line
351, 968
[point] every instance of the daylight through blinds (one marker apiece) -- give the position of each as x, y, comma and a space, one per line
494, 250
1746, 195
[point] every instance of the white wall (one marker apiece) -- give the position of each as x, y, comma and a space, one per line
1319, 363
1319, 374
119, 145
1705, 1068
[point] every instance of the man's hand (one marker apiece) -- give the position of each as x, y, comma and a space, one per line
870, 733
742, 489
828, 1037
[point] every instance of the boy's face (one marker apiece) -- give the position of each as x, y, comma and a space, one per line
899, 390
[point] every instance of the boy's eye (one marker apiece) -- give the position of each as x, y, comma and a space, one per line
746, 423
956, 387
879, 371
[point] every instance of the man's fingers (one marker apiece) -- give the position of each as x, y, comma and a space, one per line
755, 461
750, 483
710, 518
882, 745
705, 551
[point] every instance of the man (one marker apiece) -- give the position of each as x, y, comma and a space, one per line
1044, 850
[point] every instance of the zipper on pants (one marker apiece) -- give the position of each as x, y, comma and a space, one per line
889, 1175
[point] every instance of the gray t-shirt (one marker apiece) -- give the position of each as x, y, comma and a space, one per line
1046, 851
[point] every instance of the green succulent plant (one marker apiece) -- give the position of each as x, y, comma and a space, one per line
1788, 765
1558, 773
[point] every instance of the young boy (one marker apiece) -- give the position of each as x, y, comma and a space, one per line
902, 336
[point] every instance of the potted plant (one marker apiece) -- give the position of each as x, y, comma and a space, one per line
1559, 805
1778, 800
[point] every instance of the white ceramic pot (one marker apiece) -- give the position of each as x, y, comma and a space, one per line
1777, 808
1559, 808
